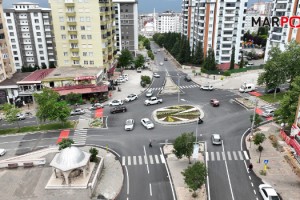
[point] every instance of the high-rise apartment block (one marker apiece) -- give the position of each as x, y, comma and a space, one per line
126, 25
169, 22
280, 36
7, 67
252, 14
30, 34
84, 32
217, 24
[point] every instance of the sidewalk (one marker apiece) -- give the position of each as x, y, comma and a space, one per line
279, 173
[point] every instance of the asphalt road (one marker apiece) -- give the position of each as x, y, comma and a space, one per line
147, 174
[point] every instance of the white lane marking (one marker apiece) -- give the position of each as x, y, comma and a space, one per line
140, 160
254, 192
150, 189
134, 160
206, 156
251, 184
241, 155
123, 160
228, 174
218, 155
129, 160
162, 158
146, 161
207, 178
246, 155
229, 155
223, 155
212, 156
173, 193
151, 159
127, 179
234, 155
156, 159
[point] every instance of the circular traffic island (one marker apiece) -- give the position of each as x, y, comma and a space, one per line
177, 114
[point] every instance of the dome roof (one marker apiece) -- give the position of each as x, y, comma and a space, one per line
70, 158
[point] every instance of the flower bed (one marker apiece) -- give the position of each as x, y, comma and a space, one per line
179, 113
97, 123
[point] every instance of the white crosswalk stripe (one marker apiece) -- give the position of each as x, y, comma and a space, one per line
143, 160
86, 115
229, 155
79, 137
181, 87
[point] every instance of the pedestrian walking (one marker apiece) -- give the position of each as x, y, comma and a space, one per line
250, 167
150, 144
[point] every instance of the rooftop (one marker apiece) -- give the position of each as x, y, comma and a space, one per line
36, 76
14, 79
73, 72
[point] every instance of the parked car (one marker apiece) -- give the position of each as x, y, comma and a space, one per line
156, 75
268, 113
124, 77
116, 103
149, 93
158, 50
77, 111
96, 106
121, 80
214, 102
165, 59
207, 87
247, 87
118, 109
147, 123
187, 78
155, 52
250, 64
131, 97
129, 124
216, 139
161, 63
267, 192
21, 116
139, 70
2, 152
272, 90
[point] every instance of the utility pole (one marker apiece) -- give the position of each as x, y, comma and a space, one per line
178, 88
253, 119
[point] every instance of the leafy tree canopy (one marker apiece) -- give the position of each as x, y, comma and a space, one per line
65, 143
125, 58
183, 145
139, 61
10, 113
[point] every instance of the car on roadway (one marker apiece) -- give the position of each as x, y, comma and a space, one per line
216, 139
156, 75
214, 102
131, 97
118, 109
268, 113
2, 152
207, 87
147, 123
161, 63
124, 77
267, 192
272, 90
165, 59
77, 111
116, 103
20, 116
96, 106
187, 78
129, 124
158, 50
249, 64
149, 93
121, 80
139, 70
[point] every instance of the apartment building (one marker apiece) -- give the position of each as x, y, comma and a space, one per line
84, 32
7, 67
217, 24
147, 24
280, 36
126, 19
169, 22
29, 31
252, 14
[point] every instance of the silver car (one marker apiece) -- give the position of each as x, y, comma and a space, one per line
149, 93
268, 113
147, 123
216, 139
20, 116
129, 124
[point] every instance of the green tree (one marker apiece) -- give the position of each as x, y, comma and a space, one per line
198, 55
259, 138
125, 58
288, 105
44, 66
61, 112
195, 176
94, 153
51, 64
66, 142
73, 98
242, 62
36, 67
210, 61
10, 113
183, 145
147, 44
150, 54
24, 69
139, 61
232, 59
257, 119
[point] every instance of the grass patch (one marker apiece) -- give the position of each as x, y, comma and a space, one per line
270, 97
43, 127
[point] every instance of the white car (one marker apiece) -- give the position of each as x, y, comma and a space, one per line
124, 77
116, 103
147, 123
216, 139
156, 75
207, 87
268, 113
161, 63
131, 97
249, 64
2, 152
267, 192
77, 111
149, 93
21, 116
121, 80
129, 124
96, 106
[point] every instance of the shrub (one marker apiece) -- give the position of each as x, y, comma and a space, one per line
94, 153
203, 70
146, 79
227, 73
143, 84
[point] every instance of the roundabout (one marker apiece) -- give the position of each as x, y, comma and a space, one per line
178, 114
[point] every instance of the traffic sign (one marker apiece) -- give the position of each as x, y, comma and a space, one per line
266, 161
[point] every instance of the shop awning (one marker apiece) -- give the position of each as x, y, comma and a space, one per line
81, 90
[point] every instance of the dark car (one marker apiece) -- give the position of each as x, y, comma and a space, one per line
165, 59
187, 78
272, 90
118, 109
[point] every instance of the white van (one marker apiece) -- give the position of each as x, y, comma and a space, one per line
247, 87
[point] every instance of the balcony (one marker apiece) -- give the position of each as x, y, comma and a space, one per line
69, 3
75, 58
72, 32
74, 49
71, 13
71, 23
73, 40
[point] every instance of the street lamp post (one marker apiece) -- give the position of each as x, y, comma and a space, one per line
253, 119
178, 88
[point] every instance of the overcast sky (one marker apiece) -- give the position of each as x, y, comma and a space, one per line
145, 6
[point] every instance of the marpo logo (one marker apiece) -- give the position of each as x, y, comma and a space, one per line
292, 22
